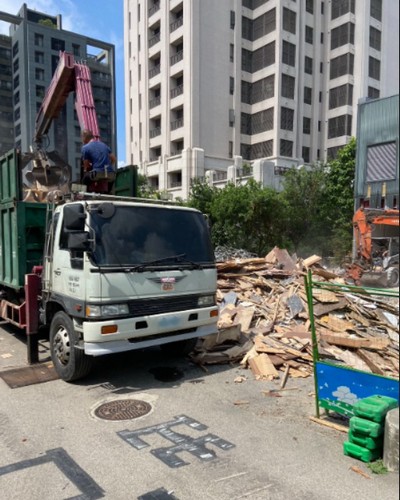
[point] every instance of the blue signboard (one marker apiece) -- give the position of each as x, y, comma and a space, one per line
339, 388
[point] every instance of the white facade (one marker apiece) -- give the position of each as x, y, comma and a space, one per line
211, 84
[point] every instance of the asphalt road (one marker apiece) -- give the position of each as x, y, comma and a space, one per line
205, 437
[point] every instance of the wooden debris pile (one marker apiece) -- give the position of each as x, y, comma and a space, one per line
264, 321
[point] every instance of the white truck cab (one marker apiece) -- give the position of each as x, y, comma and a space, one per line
121, 275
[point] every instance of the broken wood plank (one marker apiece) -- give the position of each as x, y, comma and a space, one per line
376, 343
262, 367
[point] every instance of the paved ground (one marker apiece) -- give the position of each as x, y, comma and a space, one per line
205, 437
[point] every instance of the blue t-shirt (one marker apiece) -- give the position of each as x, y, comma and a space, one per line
98, 154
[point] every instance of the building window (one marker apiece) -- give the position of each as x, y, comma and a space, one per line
341, 96
57, 44
342, 35
38, 40
309, 35
310, 6
232, 18
373, 93
231, 52
375, 38
230, 149
39, 57
307, 95
39, 74
16, 82
306, 154
376, 9
259, 90
40, 91
259, 59
342, 7
76, 50
306, 125
286, 148
321, 67
308, 65
288, 86
18, 129
289, 20
255, 151
288, 53
16, 65
374, 68
17, 114
287, 118
342, 65
320, 96
322, 37
339, 126
254, 29
258, 122
231, 85
15, 49
319, 125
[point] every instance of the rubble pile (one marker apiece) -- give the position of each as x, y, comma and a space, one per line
264, 323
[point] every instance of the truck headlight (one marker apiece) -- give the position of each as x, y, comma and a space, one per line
107, 310
206, 301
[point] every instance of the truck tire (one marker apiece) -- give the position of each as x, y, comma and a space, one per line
69, 362
180, 348
393, 277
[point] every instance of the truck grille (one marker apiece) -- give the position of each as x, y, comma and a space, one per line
148, 307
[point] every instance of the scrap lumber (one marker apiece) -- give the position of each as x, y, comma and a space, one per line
264, 323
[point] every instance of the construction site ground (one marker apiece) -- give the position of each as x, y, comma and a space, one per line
212, 433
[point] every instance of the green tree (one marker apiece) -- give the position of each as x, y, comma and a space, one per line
302, 197
47, 22
201, 196
338, 204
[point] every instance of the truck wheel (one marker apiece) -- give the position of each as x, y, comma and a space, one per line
393, 277
70, 363
180, 348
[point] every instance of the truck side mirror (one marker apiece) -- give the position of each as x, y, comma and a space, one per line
74, 217
79, 241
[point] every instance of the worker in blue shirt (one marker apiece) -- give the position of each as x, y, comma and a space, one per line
98, 164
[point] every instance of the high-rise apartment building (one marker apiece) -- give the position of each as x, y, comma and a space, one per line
29, 56
211, 84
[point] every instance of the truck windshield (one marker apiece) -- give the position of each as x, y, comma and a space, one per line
137, 235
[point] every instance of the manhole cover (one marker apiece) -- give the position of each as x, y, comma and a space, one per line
122, 409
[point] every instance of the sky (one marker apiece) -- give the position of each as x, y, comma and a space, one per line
99, 19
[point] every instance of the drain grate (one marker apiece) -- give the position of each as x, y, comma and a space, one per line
122, 409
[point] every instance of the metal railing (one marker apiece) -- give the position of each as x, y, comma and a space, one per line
177, 124
154, 39
154, 132
155, 71
176, 24
176, 91
156, 101
154, 9
176, 57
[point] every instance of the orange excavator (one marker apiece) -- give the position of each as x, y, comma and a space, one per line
376, 248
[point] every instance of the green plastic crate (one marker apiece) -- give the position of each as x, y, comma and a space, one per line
126, 181
361, 453
365, 427
374, 408
365, 441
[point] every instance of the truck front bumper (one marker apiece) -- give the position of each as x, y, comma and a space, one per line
147, 331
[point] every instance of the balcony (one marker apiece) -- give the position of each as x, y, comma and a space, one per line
176, 24
155, 71
156, 101
176, 57
155, 132
177, 124
154, 39
154, 9
176, 91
